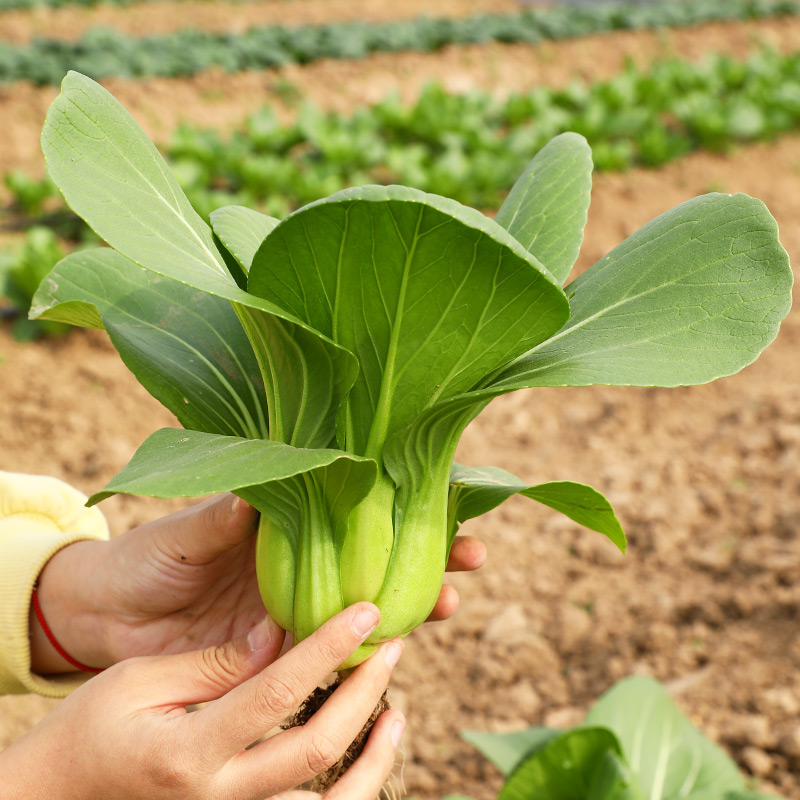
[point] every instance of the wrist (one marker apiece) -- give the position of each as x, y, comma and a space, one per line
66, 594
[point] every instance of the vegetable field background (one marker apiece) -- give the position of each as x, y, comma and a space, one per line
706, 480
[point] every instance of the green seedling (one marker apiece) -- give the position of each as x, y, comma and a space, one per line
22, 267
635, 744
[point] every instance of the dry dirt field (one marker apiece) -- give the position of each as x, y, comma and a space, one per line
706, 481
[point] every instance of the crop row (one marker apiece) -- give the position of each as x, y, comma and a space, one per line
102, 53
471, 146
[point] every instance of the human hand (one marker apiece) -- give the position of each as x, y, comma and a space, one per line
179, 583
126, 733
467, 554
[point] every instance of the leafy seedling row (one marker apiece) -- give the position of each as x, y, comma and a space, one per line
104, 53
467, 146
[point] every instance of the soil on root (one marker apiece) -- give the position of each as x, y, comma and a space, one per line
310, 706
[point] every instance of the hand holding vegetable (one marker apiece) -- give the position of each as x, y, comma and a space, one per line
173, 585
126, 733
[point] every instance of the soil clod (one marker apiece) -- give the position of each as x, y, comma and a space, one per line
310, 706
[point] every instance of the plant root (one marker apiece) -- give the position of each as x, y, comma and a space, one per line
310, 706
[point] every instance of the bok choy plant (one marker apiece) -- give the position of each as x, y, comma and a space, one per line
324, 367
634, 744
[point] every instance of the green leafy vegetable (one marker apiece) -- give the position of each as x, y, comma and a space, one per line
634, 744
21, 269
670, 756
583, 764
326, 366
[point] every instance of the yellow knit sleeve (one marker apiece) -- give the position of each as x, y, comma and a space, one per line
38, 516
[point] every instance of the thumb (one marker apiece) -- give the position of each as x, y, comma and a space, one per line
199, 534
202, 675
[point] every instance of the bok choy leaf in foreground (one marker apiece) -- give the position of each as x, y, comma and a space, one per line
325, 366
634, 744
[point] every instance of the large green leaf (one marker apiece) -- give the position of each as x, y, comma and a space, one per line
305, 379
547, 207
183, 463
670, 756
694, 295
476, 490
187, 348
582, 764
507, 750
241, 230
113, 176
429, 295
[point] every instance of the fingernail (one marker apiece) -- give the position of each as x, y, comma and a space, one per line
260, 636
392, 653
397, 731
235, 506
365, 622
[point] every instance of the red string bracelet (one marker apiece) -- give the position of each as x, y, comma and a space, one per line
53, 641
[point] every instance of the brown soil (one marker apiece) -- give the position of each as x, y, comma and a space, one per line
223, 101
310, 707
705, 479
148, 19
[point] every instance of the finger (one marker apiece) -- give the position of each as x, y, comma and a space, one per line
446, 604
466, 554
249, 710
309, 750
200, 675
365, 779
199, 534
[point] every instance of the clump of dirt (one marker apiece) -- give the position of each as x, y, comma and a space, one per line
310, 706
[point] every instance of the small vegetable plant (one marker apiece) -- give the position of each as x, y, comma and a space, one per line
22, 267
324, 367
635, 744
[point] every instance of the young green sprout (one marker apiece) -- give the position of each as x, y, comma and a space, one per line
324, 367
